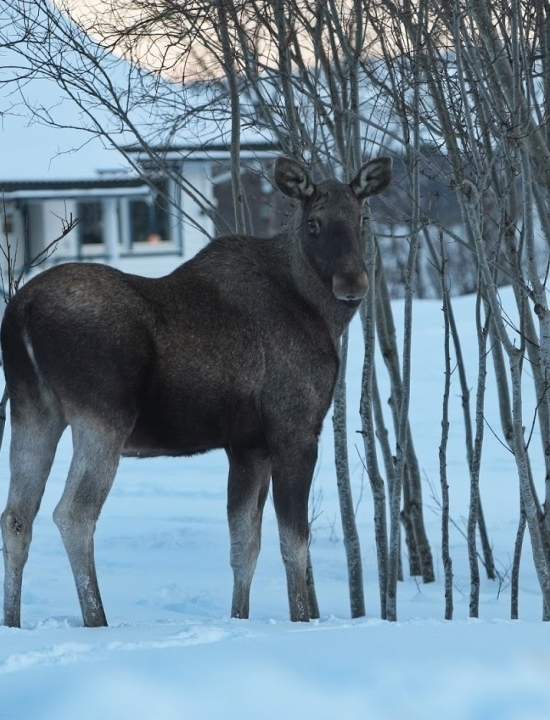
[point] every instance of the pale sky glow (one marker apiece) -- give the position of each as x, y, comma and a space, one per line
91, 13
199, 62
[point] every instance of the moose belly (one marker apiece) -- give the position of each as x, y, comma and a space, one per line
194, 423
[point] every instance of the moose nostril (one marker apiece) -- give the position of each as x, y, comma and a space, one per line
350, 287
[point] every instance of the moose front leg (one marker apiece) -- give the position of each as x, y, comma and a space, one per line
293, 469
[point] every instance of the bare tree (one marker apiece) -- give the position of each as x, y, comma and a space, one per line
445, 510
369, 409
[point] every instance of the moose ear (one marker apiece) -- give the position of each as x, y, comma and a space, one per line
293, 179
372, 178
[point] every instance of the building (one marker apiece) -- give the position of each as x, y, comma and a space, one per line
167, 200
127, 204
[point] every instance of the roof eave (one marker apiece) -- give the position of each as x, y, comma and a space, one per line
76, 194
248, 151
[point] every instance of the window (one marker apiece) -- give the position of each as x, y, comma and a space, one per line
90, 225
149, 221
139, 221
7, 225
262, 206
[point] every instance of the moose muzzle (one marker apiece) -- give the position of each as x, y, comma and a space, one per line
350, 286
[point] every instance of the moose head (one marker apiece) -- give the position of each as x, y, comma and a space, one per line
330, 231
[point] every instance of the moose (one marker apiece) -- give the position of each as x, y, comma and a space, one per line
237, 349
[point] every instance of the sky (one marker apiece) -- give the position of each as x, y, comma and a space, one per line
151, 52
180, 55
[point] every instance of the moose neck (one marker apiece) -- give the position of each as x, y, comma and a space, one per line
317, 293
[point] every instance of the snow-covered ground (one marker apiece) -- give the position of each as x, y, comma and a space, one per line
171, 650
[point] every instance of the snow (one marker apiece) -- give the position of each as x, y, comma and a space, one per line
171, 650
336, 669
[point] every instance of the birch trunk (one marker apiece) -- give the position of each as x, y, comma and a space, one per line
420, 557
482, 332
514, 593
347, 513
231, 77
368, 310
445, 511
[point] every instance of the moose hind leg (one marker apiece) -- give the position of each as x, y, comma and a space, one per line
96, 454
249, 475
293, 469
33, 443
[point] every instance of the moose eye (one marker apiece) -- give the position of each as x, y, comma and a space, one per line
314, 226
